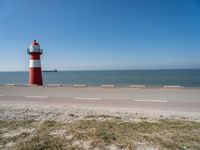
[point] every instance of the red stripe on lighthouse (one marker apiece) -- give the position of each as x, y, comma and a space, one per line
34, 56
35, 76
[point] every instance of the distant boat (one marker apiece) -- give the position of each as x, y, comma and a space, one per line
55, 70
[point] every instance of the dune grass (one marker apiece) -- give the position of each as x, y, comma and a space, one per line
92, 133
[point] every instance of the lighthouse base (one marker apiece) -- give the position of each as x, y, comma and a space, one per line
35, 76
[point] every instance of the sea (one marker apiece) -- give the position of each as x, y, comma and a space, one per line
182, 77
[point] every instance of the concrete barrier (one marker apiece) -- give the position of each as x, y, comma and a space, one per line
11, 84
171, 86
138, 86
54, 85
107, 85
79, 85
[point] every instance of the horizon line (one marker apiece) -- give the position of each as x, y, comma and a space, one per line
107, 69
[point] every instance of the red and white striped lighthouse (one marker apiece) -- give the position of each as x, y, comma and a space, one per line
35, 71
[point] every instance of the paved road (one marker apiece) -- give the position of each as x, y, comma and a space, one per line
185, 100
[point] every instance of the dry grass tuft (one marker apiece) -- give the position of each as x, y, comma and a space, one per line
90, 134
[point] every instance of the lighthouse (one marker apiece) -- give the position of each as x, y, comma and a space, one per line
35, 71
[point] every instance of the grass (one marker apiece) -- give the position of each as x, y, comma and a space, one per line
163, 134
15, 124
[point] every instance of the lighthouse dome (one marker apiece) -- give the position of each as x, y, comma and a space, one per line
35, 47
34, 43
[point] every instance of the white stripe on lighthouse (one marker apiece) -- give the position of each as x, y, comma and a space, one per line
34, 63
35, 48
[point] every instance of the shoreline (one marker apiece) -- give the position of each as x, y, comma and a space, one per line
132, 86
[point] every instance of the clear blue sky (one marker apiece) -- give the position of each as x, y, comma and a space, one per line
101, 34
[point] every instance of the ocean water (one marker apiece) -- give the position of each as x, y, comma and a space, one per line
183, 77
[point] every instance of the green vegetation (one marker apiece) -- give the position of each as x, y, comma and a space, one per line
91, 133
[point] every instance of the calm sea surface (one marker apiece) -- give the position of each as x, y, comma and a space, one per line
185, 77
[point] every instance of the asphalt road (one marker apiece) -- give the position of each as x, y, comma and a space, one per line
165, 99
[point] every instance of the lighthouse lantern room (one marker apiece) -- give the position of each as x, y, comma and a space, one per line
35, 71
